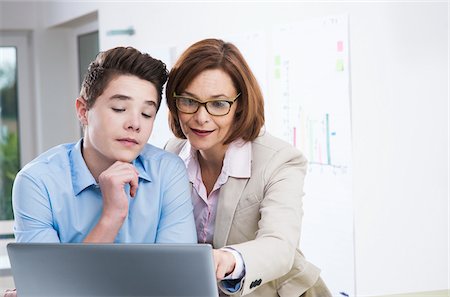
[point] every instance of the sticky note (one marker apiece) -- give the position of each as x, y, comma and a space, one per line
277, 60
340, 46
339, 65
277, 73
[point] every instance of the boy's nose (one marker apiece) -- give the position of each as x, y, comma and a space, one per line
134, 123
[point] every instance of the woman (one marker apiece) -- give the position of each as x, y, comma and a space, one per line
246, 184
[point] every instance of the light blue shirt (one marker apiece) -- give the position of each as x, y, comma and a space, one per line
56, 199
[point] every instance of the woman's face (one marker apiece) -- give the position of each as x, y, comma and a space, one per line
204, 131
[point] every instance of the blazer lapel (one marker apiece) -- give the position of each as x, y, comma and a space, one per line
230, 194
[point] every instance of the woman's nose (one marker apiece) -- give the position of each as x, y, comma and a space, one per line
202, 116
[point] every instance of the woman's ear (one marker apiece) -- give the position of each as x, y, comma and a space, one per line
82, 110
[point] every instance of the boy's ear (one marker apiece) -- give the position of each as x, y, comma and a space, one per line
82, 110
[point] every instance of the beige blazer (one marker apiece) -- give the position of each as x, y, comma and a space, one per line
261, 218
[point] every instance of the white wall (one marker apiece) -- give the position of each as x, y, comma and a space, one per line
400, 132
18, 16
399, 76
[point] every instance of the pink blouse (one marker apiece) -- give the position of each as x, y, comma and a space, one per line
237, 163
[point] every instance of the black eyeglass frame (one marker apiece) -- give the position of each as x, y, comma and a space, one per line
229, 100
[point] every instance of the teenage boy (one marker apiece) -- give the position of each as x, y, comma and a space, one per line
110, 186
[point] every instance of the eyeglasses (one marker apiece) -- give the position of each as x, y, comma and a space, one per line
215, 107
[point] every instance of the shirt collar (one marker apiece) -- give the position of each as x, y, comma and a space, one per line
237, 161
142, 168
189, 156
81, 175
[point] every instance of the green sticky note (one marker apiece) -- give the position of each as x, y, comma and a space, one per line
339, 65
277, 60
277, 73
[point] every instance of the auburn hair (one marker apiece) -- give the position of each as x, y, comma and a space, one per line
209, 54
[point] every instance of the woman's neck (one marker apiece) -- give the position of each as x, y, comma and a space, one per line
211, 164
212, 159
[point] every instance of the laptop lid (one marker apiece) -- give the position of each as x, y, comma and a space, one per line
74, 270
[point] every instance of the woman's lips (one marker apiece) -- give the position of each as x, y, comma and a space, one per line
201, 132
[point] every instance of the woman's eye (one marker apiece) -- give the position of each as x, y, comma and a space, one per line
147, 116
118, 109
219, 104
189, 101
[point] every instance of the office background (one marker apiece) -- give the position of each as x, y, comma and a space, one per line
399, 107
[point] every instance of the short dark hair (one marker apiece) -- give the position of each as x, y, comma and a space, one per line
210, 54
121, 61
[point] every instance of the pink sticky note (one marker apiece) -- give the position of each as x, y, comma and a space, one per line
340, 46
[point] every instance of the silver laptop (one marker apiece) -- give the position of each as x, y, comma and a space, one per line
75, 270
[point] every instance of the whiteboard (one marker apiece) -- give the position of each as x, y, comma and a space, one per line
309, 107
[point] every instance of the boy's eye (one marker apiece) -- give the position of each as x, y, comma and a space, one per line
118, 109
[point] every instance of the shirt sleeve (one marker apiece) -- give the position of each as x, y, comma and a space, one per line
176, 224
33, 219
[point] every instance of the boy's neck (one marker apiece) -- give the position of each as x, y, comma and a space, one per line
96, 164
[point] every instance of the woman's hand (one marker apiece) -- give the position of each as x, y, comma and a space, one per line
224, 263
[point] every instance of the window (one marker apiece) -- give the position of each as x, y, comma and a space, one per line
9, 128
17, 120
88, 48
17, 131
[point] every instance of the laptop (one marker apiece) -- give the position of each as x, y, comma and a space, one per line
94, 270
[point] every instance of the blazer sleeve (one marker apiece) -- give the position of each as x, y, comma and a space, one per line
271, 254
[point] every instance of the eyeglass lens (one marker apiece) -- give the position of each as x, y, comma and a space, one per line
215, 107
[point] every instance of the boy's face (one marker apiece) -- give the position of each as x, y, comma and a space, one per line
120, 122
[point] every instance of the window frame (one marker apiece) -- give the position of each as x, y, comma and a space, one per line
27, 108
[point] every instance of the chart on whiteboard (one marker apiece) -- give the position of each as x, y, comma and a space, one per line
309, 106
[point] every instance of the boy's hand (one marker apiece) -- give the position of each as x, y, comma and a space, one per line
112, 184
115, 201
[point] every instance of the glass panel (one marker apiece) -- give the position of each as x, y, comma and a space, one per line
88, 48
9, 129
